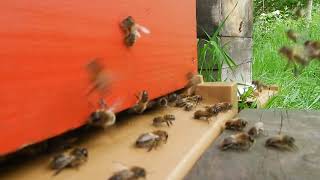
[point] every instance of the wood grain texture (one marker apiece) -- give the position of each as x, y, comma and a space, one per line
112, 148
262, 163
46, 45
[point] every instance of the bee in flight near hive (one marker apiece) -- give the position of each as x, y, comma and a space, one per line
103, 117
168, 118
75, 158
241, 141
282, 142
134, 173
236, 124
152, 140
98, 77
142, 103
132, 30
256, 130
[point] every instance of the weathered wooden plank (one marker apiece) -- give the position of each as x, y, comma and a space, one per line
239, 49
241, 73
240, 21
263, 163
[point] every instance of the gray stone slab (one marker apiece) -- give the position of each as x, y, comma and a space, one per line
260, 162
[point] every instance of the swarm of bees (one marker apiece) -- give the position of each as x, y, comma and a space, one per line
302, 53
134, 173
74, 159
152, 140
132, 30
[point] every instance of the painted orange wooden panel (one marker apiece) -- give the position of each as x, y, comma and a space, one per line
45, 46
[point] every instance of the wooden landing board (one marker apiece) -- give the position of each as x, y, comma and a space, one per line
266, 94
264, 164
108, 149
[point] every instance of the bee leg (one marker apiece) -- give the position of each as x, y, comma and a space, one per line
151, 146
170, 121
167, 122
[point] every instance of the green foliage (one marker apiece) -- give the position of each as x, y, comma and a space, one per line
243, 102
212, 56
301, 92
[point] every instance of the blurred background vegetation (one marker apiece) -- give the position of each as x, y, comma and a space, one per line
272, 19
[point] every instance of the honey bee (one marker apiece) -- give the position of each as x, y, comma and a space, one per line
241, 141
236, 124
219, 107
152, 140
172, 97
168, 118
259, 85
98, 77
256, 130
181, 102
313, 49
75, 158
132, 30
295, 55
189, 106
134, 173
292, 35
299, 12
281, 142
193, 81
162, 102
142, 104
102, 117
203, 114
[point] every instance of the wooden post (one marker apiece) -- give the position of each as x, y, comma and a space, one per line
236, 34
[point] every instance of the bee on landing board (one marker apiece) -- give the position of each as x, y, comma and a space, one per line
103, 117
236, 124
256, 130
203, 114
132, 31
152, 140
134, 173
142, 103
282, 142
168, 118
74, 159
241, 141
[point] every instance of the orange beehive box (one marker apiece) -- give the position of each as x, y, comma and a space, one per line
45, 46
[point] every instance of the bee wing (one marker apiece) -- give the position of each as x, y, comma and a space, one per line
143, 29
115, 105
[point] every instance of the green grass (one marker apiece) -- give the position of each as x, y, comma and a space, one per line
301, 92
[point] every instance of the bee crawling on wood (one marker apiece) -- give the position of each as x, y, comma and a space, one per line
152, 140
134, 173
181, 102
75, 158
168, 118
132, 30
256, 130
189, 106
203, 114
236, 124
241, 141
219, 107
103, 117
281, 142
142, 104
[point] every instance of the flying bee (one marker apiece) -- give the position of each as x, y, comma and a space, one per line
75, 158
241, 141
236, 124
98, 77
142, 104
281, 142
256, 130
103, 117
132, 30
203, 114
259, 85
292, 35
299, 12
313, 49
168, 118
152, 140
134, 173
